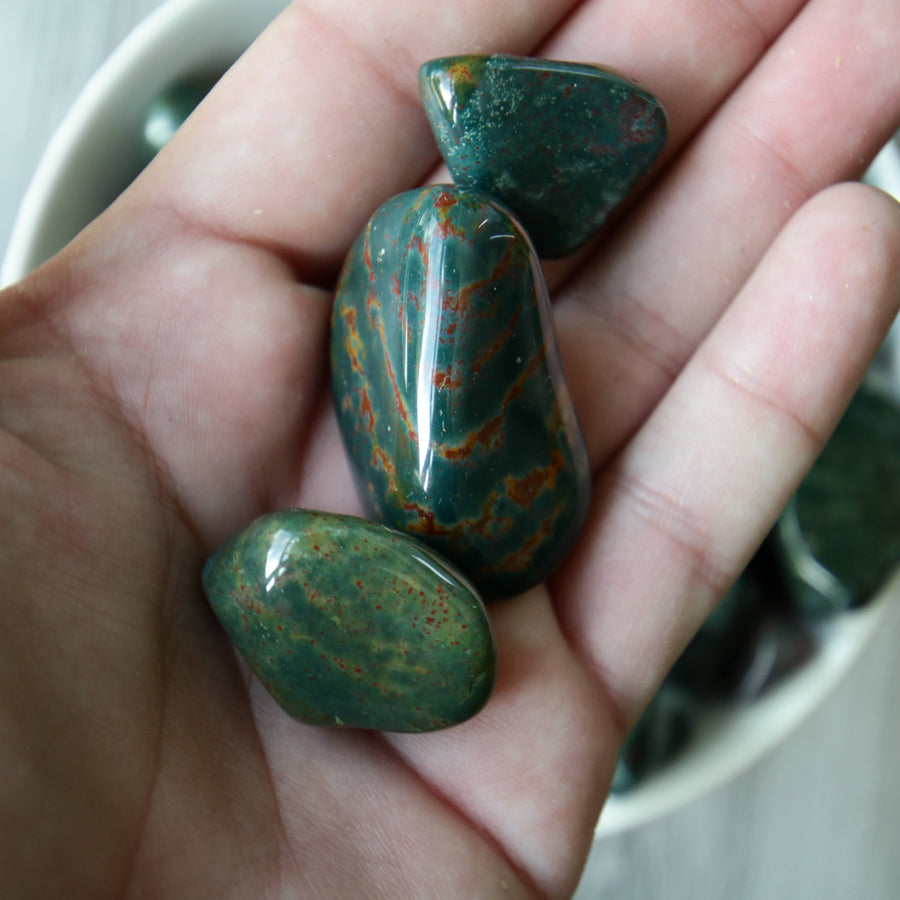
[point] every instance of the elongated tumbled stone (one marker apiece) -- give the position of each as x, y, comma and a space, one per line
449, 389
560, 143
349, 623
840, 534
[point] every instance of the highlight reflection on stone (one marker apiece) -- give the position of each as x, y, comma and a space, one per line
449, 389
560, 143
349, 623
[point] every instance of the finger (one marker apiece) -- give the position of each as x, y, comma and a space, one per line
817, 108
689, 54
678, 513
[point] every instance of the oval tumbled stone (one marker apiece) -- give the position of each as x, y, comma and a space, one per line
839, 536
450, 392
347, 622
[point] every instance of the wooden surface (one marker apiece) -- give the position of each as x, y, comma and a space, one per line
817, 819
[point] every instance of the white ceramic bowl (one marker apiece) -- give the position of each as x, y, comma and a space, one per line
93, 156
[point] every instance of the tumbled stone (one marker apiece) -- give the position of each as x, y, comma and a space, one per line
560, 143
781, 647
750, 641
449, 388
840, 534
662, 732
349, 623
168, 111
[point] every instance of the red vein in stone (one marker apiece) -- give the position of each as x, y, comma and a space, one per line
522, 491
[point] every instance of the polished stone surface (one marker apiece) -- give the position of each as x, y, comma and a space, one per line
449, 389
168, 111
349, 623
840, 534
561, 143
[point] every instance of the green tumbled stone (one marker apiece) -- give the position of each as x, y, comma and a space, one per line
449, 389
840, 534
661, 733
560, 143
781, 648
349, 623
167, 112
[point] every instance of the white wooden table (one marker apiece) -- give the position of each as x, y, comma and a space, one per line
817, 819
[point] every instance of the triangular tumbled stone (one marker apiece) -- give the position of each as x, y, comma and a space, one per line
560, 143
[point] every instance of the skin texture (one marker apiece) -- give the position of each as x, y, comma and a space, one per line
162, 382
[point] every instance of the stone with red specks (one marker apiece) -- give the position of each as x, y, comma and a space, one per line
349, 623
450, 392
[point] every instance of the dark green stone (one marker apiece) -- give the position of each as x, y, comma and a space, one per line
449, 389
349, 623
840, 534
750, 641
782, 646
560, 143
714, 662
167, 112
661, 733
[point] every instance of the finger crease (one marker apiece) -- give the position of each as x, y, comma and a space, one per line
671, 519
778, 152
644, 330
743, 382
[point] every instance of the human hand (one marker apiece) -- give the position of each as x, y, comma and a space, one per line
162, 381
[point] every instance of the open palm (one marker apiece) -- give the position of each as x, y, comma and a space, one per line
163, 381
